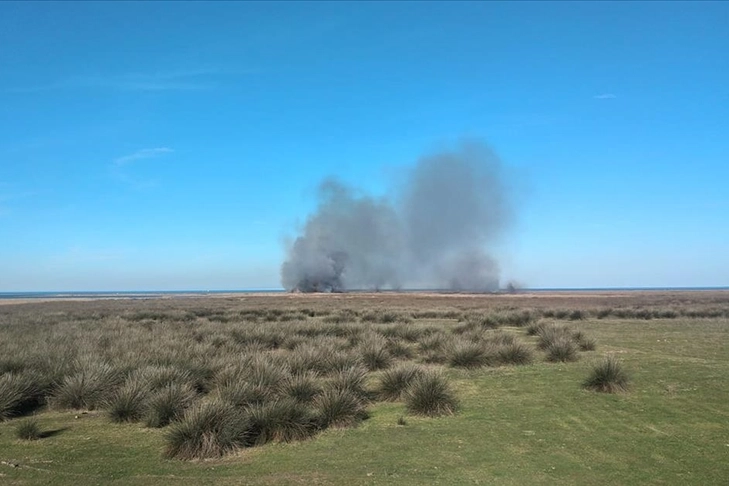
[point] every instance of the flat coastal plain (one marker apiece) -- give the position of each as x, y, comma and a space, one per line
67, 367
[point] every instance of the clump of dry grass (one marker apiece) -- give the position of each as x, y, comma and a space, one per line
561, 350
339, 407
303, 387
130, 402
28, 429
351, 379
608, 376
467, 354
584, 342
19, 393
515, 353
374, 353
211, 428
282, 420
560, 342
430, 394
168, 404
89, 387
394, 382
236, 374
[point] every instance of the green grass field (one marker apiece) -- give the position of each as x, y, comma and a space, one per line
531, 424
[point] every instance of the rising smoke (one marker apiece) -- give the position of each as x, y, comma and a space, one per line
434, 233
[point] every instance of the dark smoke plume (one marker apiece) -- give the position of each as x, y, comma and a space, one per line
434, 233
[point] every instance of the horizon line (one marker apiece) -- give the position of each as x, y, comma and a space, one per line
282, 290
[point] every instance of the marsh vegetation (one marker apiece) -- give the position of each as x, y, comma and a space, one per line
214, 377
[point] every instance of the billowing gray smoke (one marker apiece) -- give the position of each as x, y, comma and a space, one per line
435, 233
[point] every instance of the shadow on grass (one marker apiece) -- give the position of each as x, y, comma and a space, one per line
52, 433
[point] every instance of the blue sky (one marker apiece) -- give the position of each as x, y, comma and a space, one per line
166, 145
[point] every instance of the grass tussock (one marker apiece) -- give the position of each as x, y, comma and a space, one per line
520, 318
283, 420
435, 342
89, 388
208, 429
161, 376
385, 317
403, 331
561, 343
28, 429
400, 349
550, 333
431, 395
584, 342
336, 407
129, 403
515, 354
351, 379
303, 388
561, 350
467, 354
609, 376
19, 393
394, 382
536, 328
219, 377
168, 404
374, 354
499, 338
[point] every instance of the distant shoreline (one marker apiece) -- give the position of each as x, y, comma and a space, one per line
146, 294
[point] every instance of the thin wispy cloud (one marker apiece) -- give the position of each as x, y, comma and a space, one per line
148, 153
159, 81
174, 80
605, 96
121, 166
